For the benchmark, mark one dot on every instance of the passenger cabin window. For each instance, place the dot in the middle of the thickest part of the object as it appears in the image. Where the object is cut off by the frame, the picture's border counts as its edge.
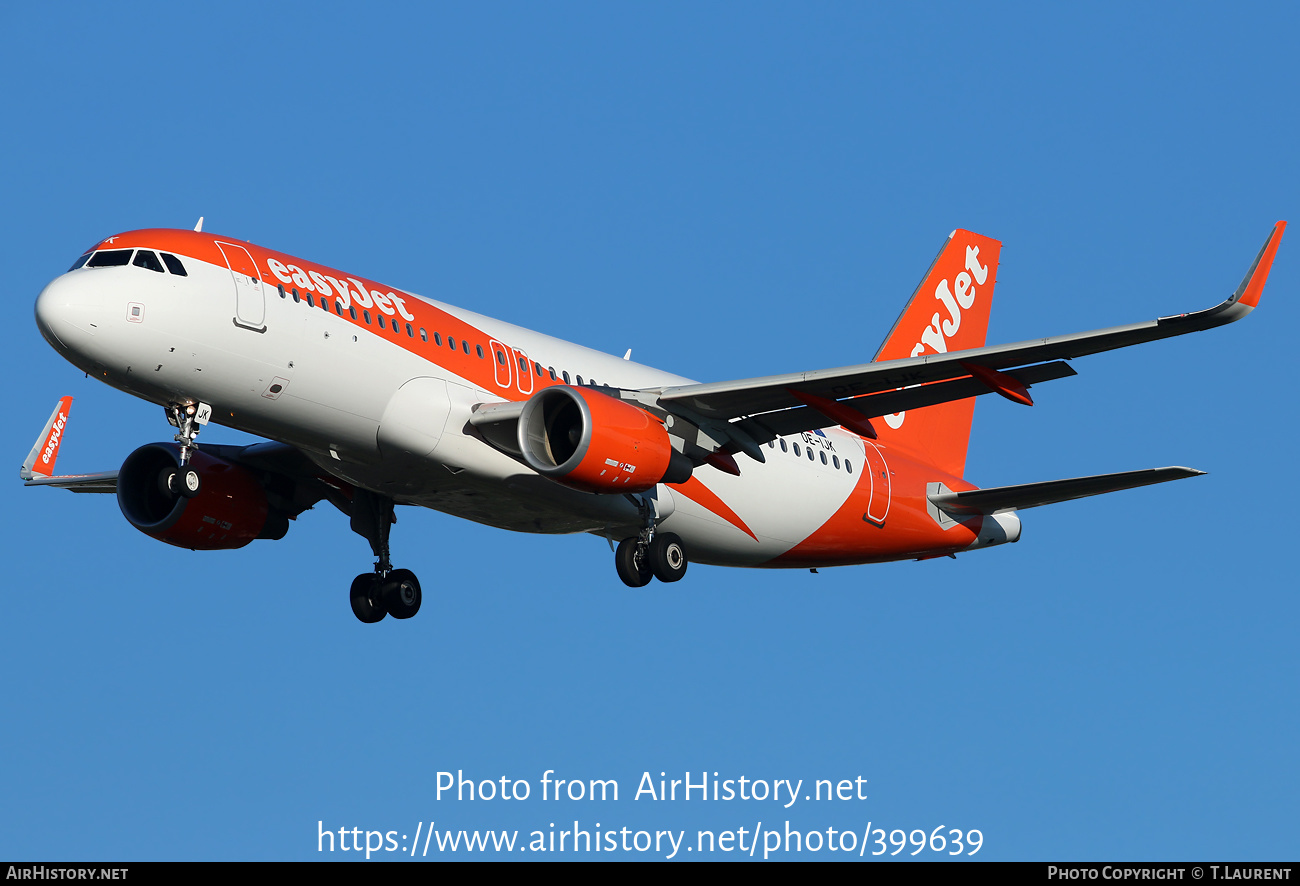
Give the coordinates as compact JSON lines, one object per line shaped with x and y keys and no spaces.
{"x":464,"y":346}
{"x":173,"y":264}
{"x":437,"y":339}
{"x":479,"y":349}
{"x":424,"y":336}
{"x":110,"y":258}
{"x":144,"y":258}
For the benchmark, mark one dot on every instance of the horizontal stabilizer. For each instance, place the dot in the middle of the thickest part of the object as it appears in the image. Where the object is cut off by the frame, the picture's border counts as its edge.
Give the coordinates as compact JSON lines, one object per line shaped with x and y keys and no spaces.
{"x":1031,"y":495}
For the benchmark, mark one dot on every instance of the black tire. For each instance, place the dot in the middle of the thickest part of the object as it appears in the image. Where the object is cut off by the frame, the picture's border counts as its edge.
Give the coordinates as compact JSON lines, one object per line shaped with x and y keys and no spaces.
{"x":667,"y":557}
{"x":634,"y":571}
{"x":402,"y":593}
{"x":167,"y":480}
{"x":366,"y":603}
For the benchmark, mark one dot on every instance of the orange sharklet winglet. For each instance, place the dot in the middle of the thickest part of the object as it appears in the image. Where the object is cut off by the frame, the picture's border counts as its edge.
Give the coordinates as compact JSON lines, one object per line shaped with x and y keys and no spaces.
{"x":46,"y":451}
{"x":1253,"y":286}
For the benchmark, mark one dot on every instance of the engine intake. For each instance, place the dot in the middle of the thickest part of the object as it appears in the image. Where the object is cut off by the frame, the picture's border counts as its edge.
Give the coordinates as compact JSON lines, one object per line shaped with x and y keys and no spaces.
{"x":230,"y":510}
{"x":597,"y":443}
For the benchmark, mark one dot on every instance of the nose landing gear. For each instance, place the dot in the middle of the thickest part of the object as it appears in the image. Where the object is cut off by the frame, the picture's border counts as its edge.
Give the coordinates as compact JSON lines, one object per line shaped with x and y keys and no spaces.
{"x":188,"y":420}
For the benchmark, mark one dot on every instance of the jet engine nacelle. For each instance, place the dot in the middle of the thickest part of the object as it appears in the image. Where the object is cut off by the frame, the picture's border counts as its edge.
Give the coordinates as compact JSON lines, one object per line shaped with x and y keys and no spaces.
{"x":590,"y":441}
{"x":229,"y":511}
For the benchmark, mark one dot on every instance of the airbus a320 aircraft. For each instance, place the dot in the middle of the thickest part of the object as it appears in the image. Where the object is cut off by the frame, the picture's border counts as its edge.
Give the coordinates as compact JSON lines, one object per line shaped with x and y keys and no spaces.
{"x":372,"y":397}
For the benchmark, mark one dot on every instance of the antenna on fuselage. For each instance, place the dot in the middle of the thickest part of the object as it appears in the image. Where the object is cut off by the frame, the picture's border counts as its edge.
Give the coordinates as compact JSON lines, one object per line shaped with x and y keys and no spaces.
{"x":199,"y":226}
{"x":628,"y":355}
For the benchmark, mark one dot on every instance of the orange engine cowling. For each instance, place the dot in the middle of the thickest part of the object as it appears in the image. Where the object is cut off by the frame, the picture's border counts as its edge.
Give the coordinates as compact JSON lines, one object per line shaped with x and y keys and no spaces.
{"x":230,"y":510}
{"x":593,"y":442}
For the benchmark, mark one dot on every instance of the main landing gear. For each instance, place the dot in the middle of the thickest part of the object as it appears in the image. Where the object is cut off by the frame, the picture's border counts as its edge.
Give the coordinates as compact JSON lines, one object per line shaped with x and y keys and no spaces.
{"x":651,"y":554}
{"x":386,"y":591}
{"x":188,"y":420}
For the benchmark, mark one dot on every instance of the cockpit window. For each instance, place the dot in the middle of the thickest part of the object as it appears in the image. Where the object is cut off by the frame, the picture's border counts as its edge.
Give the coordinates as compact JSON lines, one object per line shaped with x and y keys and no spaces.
{"x":110,"y":258}
{"x":174,"y":264}
{"x":144,"y":258}
{"x":81,"y":261}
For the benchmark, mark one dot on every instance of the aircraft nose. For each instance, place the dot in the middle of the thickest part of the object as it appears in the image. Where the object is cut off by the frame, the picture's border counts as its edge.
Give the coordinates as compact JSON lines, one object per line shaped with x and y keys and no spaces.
{"x":67,"y":310}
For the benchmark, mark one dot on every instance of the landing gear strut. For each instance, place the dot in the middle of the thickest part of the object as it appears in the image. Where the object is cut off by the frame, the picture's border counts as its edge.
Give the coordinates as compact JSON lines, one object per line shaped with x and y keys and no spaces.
{"x":651,"y":554}
{"x":188,"y":420}
{"x":386,"y":591}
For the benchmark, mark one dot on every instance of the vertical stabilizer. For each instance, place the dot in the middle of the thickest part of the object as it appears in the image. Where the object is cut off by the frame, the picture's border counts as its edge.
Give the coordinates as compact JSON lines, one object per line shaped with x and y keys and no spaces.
{"x":948,"y":312}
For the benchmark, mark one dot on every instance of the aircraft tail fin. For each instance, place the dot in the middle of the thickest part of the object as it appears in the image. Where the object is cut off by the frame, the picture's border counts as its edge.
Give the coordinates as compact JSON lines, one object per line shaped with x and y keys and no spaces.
{"x":949,"y":311}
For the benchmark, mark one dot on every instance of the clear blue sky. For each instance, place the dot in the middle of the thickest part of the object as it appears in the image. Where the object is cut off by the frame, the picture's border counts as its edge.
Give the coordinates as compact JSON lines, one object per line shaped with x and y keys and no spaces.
{"x":730,"y":190}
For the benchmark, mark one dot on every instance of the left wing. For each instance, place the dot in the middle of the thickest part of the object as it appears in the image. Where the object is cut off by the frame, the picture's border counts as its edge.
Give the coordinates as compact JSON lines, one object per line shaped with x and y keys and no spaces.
{"x":777,"y":404}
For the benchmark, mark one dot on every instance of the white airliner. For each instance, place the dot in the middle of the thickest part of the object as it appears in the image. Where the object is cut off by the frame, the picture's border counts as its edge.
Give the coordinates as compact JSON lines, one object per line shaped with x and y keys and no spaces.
{"x":372,"y":397}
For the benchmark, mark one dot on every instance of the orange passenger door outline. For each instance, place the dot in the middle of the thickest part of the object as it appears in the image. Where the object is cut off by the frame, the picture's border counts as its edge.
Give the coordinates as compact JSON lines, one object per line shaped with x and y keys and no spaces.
{"x":525,"y":371}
